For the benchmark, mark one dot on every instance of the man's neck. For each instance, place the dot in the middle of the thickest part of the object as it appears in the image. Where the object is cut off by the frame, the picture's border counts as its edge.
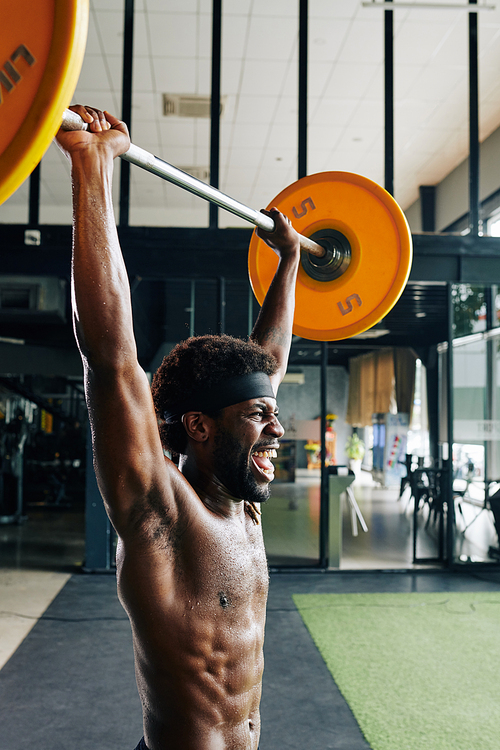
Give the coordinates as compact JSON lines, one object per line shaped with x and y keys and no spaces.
{"x":213,"y":494}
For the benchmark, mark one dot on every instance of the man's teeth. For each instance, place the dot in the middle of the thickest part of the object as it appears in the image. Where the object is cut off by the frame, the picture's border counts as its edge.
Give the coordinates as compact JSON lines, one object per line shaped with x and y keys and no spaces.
{"x":266,"y":454}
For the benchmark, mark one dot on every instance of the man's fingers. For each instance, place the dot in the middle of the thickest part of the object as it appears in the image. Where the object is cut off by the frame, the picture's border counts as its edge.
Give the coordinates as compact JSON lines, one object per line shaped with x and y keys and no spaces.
{"x":82,"y":111}
{"x":99,"y":122}
{"x":114,"y":122}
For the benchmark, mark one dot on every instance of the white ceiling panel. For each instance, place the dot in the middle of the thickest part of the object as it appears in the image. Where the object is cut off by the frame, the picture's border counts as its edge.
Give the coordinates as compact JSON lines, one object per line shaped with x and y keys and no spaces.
{"x":250,"y":109}
{"x":369,"y":112}
{"x":363,"y":43}
{"x":349,"y":81}
{"x":285,"y":109}
{"x":276,"y":8}
{"x":240,"y":159}
{"x":94,"y":42}
{"x":101,"y":74}
{"x":435,"y":83}
{"x":318,"y":78}
{"x":203,"y":84}
{"x":231,"y":75}
{"x":281,"y":137}
{"x":404,"y":79}
{"x":249,"y":135}
{"x":416,"y":42}
{"x":116,"y":5}
{"x":142,"y":43}
{"x":172,"y":36}
{"x":109,"y":28}
{"x":172,"y":49}
{"x":235,"y":32}
{"x":333,"y":111}
{"x":142,"y":74}
{"x":263,"y":78}
{"x":179,"y":131}
{"x":145,"y":106}
{"x":175,"y":76}
{"x":264,"y":33}
{"x":172,"y":6}
{"x":237,"y":7}
{"x":328,"y":10}
{"x":326,"y":39}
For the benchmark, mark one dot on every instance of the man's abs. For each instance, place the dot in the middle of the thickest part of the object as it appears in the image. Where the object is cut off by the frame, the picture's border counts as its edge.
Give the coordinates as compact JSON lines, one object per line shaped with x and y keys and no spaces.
{"x":198,"y":628}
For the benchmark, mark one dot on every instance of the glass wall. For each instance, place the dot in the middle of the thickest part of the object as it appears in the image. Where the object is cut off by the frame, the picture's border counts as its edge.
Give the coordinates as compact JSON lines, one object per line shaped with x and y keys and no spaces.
{"x":476,"y":424}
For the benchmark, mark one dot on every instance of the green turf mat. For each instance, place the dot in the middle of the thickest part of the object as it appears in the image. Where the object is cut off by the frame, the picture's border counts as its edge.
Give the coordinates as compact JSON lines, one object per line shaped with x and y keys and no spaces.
{"x":419,"y":671}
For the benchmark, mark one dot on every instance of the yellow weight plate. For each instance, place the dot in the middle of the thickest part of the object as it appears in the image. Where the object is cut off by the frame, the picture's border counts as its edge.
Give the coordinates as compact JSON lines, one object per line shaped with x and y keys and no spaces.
{"x":376,"y":229}
{"x":42,"y":46}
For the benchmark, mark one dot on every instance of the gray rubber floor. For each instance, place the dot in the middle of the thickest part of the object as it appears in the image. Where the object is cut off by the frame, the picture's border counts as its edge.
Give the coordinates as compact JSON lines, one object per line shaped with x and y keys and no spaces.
{"x":71,"y":686}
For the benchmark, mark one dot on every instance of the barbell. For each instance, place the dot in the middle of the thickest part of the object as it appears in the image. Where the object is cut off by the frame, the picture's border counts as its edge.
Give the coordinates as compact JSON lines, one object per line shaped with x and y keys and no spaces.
{"x":355,"y":240}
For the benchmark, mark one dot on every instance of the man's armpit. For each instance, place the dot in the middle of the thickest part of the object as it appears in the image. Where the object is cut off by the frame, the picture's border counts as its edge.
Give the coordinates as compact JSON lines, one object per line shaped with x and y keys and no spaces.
{"x":274,"y":335}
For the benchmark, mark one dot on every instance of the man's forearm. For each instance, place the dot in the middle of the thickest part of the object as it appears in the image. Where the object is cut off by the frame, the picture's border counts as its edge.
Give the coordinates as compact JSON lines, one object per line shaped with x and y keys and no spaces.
{"x":100,"y":289}
{"x":273,"y":329}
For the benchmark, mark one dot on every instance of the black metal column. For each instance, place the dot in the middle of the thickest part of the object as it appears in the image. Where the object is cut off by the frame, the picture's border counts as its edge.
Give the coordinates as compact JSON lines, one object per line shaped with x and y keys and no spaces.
{"x":302,"y":172}
{"x":303,"y":67}
{"x":473,"y":125}
{"x":428,"y":207}
{"x":128,"y":50}
{"x":389,"y":101}
{"x":450,"y":535}
{"x":99,"y":554}
{"x":324,"y":545}
{"x":215,"y":108}
{"x":432,"y":385}
{"x":34,"y":197}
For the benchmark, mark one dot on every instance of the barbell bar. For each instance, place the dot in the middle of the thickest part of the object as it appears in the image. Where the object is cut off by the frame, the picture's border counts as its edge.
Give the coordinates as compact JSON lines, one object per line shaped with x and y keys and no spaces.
{"x":337,"y":296}
{"x":333,"y":280}
{"x":151,"y":163}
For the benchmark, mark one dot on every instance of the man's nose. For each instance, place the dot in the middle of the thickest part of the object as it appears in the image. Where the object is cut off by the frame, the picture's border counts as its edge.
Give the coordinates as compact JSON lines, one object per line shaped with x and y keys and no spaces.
{"x":275,"y":428}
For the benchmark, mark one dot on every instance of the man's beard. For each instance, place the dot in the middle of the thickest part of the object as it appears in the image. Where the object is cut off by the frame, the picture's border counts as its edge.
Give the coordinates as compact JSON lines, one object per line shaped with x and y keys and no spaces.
{"x":232,"y":469}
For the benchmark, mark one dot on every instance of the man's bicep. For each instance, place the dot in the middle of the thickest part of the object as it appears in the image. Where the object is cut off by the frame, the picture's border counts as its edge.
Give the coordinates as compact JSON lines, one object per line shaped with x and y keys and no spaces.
{"x":128,"y":455}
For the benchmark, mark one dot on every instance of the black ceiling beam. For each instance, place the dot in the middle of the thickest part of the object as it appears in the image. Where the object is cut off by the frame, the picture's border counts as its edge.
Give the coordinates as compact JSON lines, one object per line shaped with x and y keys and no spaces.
{"x":389,"y":102}
{"x":473,"y":124}
{"x":170,"y":252}
{"x":128,"y":56}
{"x":215,"y":107}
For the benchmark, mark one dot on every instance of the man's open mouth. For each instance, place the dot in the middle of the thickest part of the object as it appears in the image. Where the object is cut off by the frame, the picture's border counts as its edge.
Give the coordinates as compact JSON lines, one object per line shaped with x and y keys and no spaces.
{"x":262,"y":461}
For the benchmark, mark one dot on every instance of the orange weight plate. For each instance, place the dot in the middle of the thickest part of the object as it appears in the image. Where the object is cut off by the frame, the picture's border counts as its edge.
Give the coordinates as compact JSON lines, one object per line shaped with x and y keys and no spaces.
{"x":367,"y":220}
{"x":41,"y":53}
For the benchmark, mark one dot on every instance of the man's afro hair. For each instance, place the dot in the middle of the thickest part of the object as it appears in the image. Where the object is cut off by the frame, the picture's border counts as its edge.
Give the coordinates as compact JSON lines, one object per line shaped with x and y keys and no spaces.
{"x":201,"y":361}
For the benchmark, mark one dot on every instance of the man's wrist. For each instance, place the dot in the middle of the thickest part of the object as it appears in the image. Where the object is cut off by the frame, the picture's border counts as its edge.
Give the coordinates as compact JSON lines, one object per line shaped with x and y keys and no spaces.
{"x":87,"y":166}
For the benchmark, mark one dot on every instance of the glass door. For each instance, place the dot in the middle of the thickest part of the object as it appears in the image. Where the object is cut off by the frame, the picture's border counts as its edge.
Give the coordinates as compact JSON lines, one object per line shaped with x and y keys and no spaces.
{"x":475,"y":456}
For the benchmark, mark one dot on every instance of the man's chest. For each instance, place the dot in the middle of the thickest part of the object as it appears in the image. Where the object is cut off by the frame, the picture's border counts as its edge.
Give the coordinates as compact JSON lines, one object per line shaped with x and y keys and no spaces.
{"x":226,"y":561}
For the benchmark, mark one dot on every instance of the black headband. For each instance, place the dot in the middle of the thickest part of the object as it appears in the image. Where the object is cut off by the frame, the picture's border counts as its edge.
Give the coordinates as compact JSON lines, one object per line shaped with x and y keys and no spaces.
{"x":225,"y":393}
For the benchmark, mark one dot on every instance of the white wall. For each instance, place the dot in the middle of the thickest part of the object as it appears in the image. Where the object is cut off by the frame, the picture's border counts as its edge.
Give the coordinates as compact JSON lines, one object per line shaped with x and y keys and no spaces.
{"x":303,"y":402}
{"x":452,"y":199}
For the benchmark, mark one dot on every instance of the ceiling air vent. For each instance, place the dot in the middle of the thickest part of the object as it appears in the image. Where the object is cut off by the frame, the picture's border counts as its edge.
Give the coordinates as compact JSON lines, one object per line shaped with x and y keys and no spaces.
{"x":188,"y":105}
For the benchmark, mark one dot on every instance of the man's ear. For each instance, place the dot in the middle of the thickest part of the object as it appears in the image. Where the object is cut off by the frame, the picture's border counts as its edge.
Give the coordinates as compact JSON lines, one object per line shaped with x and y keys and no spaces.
{"x":197,"y":425}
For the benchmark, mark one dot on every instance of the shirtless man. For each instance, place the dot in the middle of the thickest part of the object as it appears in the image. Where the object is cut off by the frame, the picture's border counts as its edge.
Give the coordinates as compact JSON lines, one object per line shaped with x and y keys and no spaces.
{"x":191,"y":565}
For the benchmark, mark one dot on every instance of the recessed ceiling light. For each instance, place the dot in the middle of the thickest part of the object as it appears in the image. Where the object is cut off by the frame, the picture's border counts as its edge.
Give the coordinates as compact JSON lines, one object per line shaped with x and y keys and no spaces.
{"x":421,"y":315}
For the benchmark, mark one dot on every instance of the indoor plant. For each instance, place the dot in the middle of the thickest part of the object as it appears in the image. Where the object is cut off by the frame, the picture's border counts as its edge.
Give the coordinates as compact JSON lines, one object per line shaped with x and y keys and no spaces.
{"x":355,"y":450}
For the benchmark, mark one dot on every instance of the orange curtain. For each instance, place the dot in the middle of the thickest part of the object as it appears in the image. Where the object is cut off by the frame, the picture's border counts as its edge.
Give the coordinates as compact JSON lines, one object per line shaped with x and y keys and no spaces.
{"x":404,"y":367}
{"x":371,"y":386}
